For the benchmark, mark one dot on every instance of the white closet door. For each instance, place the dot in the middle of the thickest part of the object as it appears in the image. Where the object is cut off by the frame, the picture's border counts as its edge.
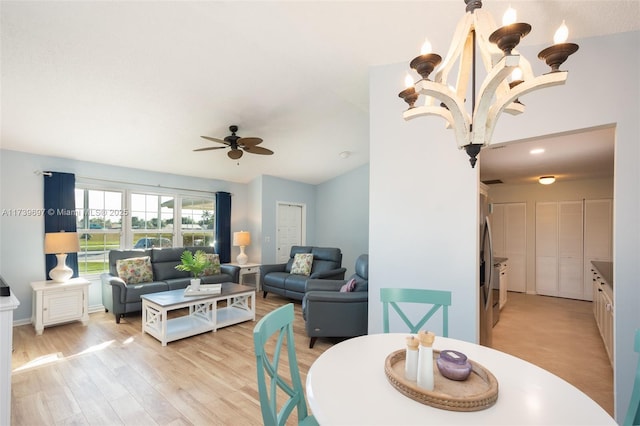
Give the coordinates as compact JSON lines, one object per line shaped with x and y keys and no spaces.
{"x":570,"y":246}
{"x":497,"y":230}
{"x":515,"y":225}
{"x":547,"y":248}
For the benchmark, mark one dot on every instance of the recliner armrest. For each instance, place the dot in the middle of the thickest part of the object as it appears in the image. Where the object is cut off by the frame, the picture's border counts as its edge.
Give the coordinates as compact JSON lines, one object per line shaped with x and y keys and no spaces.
{"x":118,"y":285}
{"x":265,"y":269}
{"x":336,"y":296}
{"x":232,"y":270}
{"x":333,"y":274}
{"x":323,"y":285}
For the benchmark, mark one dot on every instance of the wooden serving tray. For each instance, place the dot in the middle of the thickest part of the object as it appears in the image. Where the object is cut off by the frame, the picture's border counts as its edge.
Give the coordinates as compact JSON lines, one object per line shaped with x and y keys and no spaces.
{"x":478,"y":392}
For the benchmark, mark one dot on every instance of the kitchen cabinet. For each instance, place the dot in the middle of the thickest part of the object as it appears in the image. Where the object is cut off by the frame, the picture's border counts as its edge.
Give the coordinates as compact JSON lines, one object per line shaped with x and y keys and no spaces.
{"x":602,"y":286}
{"x":569,"y":235}
{"x":509,"y":236}
{"x":503,"y":270}
{"x":598,"y":236}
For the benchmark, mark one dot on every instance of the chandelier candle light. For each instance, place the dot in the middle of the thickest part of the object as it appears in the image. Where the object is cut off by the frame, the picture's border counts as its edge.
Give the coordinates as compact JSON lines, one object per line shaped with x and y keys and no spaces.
{"x":61,"y":243}
{"x":242,"y":239}
{"x":496,"y":47}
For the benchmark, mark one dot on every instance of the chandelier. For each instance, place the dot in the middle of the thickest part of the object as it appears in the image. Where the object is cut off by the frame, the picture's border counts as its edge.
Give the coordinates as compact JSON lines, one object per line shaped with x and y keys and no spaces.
{"x":477,"y":31}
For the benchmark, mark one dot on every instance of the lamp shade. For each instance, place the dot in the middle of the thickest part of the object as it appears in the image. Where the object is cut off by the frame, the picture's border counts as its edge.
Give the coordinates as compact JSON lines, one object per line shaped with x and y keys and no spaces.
{"x":242,"y":238}
{"x":61,"y":242}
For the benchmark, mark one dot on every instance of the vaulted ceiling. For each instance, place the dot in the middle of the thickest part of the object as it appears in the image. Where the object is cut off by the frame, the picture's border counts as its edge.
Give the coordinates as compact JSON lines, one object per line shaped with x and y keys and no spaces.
{"x":136,"y":83}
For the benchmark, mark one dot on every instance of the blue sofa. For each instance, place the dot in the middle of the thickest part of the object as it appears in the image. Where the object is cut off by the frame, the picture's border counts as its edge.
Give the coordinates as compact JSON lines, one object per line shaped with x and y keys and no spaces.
{"x":121,"y":298}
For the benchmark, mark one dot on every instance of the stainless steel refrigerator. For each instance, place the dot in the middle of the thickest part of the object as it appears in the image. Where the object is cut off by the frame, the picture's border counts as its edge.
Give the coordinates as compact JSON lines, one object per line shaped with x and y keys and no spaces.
{"x":486,"y":272}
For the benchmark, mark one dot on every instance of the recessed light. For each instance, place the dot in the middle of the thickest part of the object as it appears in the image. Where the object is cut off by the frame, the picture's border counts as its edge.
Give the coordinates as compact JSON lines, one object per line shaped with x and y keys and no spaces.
{"x":536,"y":151}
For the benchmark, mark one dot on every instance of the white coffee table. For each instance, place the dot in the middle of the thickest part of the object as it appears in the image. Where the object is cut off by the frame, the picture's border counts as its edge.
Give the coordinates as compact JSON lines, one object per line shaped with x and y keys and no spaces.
{"x":204,"y":314}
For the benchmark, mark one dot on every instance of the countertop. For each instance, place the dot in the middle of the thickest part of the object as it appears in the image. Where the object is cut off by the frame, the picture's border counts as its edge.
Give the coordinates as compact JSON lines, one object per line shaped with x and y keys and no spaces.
{"x":605,"y":269}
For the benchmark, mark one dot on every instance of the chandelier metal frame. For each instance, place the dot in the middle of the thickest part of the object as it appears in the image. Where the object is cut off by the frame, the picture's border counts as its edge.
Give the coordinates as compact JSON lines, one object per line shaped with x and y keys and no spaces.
{"x":477,"y":30}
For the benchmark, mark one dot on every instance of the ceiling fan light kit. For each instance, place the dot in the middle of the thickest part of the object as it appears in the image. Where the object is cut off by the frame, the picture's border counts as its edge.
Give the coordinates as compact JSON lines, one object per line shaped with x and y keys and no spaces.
{"x":477,"y":30}
{"x":237,"y":144}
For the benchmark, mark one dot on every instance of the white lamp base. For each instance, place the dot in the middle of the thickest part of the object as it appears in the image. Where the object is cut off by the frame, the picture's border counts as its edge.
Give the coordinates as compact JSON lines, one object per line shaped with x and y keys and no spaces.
{"x":242,"y":258}
{"x":61,"y":273}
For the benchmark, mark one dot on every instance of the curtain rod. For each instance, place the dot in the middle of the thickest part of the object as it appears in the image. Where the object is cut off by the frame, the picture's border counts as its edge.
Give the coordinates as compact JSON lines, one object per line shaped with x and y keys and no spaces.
{"x":43,"y":173}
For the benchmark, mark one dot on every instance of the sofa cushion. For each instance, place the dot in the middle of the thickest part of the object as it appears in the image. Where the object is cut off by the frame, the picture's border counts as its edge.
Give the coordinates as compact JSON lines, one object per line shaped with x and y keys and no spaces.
{"x":214,"y":268}
{"x":302,"y":264}
{"x":135,"y":270}
{"x":295,"y":283}
{"x":134,"y":291}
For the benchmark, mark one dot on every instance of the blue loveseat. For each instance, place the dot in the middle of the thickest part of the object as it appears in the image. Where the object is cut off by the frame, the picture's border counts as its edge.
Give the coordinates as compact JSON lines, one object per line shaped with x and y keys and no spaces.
{"x":278,"y":279}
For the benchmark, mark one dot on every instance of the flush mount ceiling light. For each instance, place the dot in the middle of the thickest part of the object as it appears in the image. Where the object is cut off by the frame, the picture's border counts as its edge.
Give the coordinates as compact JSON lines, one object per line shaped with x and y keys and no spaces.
{"x":546,"y":180}
{"x":497,"y":51}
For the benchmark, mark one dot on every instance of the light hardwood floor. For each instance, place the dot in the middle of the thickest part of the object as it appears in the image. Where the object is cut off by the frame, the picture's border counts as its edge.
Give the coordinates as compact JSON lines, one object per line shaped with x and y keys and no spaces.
{"x":113,"y":374}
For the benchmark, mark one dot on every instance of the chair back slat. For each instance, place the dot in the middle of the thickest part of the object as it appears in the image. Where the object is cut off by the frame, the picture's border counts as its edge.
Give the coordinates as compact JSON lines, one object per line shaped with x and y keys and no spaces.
{"x":438,"y":298}
{"x":270,"y":382}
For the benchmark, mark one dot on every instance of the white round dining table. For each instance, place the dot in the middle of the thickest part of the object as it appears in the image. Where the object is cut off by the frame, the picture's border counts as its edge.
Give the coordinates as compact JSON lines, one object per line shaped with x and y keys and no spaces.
{"x":347,"y":385}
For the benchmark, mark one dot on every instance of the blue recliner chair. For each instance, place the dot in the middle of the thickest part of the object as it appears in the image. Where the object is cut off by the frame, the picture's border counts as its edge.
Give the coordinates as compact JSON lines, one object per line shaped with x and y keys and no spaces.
{"x":331,"y":313}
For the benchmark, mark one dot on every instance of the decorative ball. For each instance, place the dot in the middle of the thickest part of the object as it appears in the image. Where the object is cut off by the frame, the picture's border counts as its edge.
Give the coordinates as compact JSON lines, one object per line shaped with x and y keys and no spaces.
{"x":453,"y":365}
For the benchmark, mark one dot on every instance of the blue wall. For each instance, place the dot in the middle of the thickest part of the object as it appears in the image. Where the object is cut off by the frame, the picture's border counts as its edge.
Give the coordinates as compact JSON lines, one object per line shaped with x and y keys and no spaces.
{"x":342,"y":215}
{"x":21,"y":237}
{"x":276,"y":190}
{"x":253,"y":209}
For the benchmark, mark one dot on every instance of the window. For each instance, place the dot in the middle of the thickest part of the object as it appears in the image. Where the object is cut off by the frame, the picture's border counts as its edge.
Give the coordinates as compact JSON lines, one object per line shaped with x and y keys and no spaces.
{"x":197,"y":222}
{"x":110,"y":219}
{"x":99,"y":222}
{"x":152,"y":220}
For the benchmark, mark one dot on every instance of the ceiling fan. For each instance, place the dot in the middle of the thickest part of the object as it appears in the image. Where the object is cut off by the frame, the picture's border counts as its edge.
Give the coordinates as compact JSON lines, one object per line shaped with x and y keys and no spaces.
{"x":237,"y":144}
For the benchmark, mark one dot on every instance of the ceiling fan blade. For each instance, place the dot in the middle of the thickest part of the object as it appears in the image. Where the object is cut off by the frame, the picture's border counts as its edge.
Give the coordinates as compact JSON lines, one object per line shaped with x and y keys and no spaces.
{"x":210,"y":148}
{"x":234,"y":154}
{"x":258,"y":150}
{"x":249,"y":141}
{"x":215,"y":140}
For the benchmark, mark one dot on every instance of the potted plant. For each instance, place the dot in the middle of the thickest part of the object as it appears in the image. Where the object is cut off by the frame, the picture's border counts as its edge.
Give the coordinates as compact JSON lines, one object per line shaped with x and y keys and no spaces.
{"x":195,"y":263}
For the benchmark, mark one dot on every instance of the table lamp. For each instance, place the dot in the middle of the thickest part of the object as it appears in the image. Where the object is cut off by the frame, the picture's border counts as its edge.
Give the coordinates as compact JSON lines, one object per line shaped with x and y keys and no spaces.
{"x":242,"y":239}
{"x":61,"y":243}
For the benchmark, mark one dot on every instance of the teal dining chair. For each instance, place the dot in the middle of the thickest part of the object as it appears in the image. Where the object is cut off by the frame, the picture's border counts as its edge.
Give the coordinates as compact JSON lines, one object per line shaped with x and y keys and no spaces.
{"x":439,"y":299}
{"x":633,"y":412}
{"x":271,"y":384}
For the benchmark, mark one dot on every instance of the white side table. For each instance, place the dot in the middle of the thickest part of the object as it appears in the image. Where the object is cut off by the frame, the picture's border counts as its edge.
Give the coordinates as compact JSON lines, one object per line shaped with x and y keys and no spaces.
{"x":249,"y":269}
{"x":55,"y":303}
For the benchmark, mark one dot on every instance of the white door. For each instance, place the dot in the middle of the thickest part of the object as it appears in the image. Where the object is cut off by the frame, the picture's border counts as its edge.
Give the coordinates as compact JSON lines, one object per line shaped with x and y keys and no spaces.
{"x":515,"y":242}
{"x":290,"y":231}
{"x":509,"y":230}
{"x":570,"y":245}
{"x":547,"y":248}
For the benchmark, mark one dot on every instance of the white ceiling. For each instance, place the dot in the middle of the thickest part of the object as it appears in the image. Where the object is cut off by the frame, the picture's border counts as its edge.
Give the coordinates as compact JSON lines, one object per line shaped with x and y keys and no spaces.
{"x":137,"y":83}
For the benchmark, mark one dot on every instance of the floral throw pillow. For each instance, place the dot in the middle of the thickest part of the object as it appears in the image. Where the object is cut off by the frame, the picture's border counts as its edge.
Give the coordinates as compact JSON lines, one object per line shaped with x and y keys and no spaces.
{"x":214,"y":268}
{"x":135,"y":270}
{"x":302,"y":263}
